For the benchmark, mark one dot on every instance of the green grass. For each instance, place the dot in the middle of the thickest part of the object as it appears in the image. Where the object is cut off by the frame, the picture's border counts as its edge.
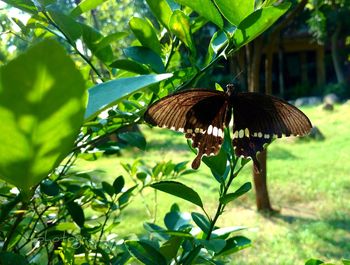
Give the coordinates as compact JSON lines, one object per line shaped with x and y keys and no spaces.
{"x":309,"y":183}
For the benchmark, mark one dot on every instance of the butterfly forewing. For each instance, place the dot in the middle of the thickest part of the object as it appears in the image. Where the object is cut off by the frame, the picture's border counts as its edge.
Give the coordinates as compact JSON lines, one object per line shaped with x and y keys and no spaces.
{"x":267,"y":116}
{"x":200,"y":114}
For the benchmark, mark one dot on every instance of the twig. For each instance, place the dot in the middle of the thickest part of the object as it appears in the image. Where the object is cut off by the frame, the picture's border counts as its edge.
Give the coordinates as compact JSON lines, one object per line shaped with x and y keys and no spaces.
{"x":221,"y":206}
{"x":70,"y":42}
{"x":18,"y":220}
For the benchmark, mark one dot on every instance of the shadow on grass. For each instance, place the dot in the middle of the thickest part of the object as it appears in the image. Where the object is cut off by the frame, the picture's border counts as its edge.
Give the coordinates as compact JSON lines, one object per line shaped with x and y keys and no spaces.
{"x":280,"y":153}
{"x":333,"y":234}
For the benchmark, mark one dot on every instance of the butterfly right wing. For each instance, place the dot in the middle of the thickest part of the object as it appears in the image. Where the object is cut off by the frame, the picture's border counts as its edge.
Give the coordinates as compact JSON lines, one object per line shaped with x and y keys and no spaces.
{"x":201,"y":114}
{"x":258,"y":118}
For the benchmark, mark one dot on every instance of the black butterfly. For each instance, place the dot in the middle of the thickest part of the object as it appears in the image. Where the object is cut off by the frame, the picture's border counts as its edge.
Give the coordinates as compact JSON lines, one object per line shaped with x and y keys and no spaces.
{"x":202,"y":115}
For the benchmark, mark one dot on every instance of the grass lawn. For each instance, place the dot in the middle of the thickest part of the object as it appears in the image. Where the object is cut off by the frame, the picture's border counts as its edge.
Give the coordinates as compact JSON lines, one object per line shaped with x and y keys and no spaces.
{"x":309,"y":183}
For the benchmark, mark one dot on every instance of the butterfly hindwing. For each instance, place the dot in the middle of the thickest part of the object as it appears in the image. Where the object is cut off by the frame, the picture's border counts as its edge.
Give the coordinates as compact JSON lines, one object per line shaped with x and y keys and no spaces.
{"x":210,"y":118}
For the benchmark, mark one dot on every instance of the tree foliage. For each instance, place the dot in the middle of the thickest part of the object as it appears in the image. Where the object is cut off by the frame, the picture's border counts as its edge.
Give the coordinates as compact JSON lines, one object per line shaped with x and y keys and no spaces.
{"x":68,"y":214}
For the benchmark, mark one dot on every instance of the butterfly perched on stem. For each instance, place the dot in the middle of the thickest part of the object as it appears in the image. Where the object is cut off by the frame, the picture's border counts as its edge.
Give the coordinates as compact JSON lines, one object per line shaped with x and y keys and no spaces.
{"x":203,"y":114}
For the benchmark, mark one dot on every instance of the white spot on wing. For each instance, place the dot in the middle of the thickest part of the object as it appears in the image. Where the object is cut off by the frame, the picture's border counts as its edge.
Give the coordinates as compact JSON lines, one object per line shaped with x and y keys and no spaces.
{"x":266,"y":136}
{"x":220,"y":134}
{"x":189,"y":130}
{"x":215,"y":131}
{"x":210,"y":129}
{"x":172,"y":128}
{"x":181,"y":130}
{"x":235,"y":134}
{"x":260,"y":135}
{"x":246,"y":132}
{"x":241,"y":133}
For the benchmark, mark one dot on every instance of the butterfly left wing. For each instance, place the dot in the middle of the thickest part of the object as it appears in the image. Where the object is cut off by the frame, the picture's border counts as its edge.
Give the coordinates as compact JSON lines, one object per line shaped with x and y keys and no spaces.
{"x":201,"y":114}
{"x":258,"y":118}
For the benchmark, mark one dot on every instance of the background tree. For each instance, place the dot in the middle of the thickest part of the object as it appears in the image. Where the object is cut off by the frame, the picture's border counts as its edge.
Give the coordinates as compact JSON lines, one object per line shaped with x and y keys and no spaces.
{"x":329,"y":25}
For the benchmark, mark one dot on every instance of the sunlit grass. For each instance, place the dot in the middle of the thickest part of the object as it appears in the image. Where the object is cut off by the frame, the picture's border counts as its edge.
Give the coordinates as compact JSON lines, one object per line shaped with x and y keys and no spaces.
{"x":309,"y":183}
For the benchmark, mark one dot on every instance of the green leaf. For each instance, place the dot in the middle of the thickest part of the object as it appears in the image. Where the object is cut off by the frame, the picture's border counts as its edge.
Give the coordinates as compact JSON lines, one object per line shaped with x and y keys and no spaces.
{"x":118,"y":184}
{"x":49,"y":187}
{"x":346,"y":261}
{"x":198,"y":23}
{"x":65,"y":226}
{"x":85,"y":5}
{"x":217,"y":164}
{"x":145,"y":253}
{"x":314,"y":262}
{"x":24,"y":5}
{"x":205,"y":8}
{"x":20,"y":24}
{"x":125,"y":197}
{"x":202,"y":221}
{"x":192,"y":255}
{"x":130,"y":66}
{"x":180,"y":25}
{"x":134,"y":139}
{"x":97,"y":44}
{"x":108,"y":188}
{"x":178,"y":233}
{"x":235,"y":244}
{"x":45,"y":3}
{"x":42,"y":110}
{"x":257,"y":22}
{"x":215,"y":245}
{"x":145,"y":56}
{"x":145,"y":33}
{"x":174,"y":220}
{"x":76,"y":212}
{"x":109,"y":93}
{"x":235,"y":11}
{"x":225,"y":231}
{"x":161,"y":10}
{"x":170,"y":248}
{"x":179,"y":190}
{"x":218,"y":42}
{"x":106,"y":41}
{"x":68,"y":25}
{"x":8,"y":258}
{"x":232,"y":196}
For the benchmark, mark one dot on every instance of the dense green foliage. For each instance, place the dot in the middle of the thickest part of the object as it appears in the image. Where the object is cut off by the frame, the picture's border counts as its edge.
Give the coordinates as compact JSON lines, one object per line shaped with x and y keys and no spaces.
{"x":57,"y":213}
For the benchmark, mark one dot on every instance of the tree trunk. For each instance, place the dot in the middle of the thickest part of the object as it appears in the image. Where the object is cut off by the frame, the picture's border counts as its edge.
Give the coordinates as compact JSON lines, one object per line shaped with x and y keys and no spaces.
{"x":254,"y":59}
{"x":260,"y":180}
{"x":280,"y":73}
{"x":335,"y":55}
{"x":260,"y":184}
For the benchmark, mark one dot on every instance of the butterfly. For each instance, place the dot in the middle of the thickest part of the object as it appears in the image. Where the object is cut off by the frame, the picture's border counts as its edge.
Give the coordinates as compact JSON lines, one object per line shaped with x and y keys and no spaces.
{"x":202,"y":115}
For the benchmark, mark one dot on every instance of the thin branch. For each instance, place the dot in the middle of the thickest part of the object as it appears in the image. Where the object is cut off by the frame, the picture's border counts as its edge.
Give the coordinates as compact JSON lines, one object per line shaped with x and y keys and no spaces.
{"x":70,"y":42}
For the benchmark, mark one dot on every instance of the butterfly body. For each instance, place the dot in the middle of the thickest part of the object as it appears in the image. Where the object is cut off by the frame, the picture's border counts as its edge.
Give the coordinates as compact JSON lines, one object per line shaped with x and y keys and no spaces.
{"x":203,"y":114}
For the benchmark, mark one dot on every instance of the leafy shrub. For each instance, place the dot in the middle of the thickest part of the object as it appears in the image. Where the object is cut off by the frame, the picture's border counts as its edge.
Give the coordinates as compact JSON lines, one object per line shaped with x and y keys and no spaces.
{"x":58,"y":215}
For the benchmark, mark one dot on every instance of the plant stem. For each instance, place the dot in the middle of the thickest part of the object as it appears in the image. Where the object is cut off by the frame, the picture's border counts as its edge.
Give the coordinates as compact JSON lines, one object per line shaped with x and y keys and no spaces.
{"x":13,"y":229}
{"x":70,"y":42}
{"x":221,"y":206}
{"x":103,"y":227}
